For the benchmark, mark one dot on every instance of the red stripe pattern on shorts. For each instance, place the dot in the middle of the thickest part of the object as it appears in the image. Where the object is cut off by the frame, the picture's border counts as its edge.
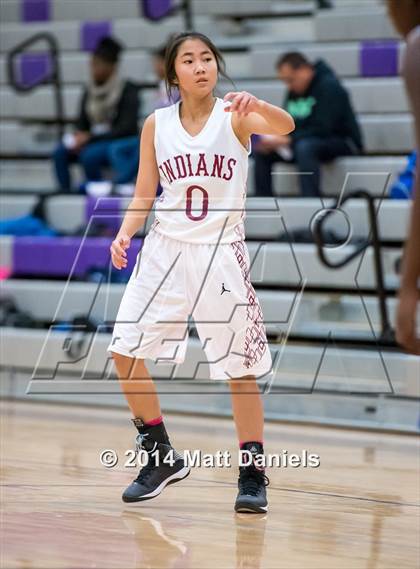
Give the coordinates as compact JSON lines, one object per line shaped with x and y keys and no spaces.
{"x":255,"y":338}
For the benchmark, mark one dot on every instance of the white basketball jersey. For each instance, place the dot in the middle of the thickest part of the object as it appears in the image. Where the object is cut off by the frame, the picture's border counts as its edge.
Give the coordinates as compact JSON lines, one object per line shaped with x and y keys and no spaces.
{"x":203,"y":178}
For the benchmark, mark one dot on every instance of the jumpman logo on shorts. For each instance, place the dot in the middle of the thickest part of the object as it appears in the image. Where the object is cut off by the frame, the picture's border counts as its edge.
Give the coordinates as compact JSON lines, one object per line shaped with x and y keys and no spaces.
{"x":224,"y":289}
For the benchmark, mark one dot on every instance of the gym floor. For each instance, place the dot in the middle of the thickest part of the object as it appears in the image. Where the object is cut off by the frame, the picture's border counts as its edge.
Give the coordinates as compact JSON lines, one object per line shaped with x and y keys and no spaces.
{"x":62,"y":508}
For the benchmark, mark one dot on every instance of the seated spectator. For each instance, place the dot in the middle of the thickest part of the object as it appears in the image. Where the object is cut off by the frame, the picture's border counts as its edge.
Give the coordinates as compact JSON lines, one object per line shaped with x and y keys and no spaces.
{"x":108,"y":122}
{"x":128,"y":150}
{"x":326,"y":126}
{"x":162,"y":98}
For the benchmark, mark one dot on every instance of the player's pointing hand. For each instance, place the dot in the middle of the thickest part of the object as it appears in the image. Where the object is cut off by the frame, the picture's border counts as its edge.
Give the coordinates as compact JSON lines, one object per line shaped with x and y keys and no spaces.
{"x":118,"y":251}
{"x":242,"y":102}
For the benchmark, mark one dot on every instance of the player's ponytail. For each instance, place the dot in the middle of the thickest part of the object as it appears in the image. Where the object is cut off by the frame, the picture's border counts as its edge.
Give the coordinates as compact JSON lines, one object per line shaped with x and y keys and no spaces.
{"x":171,"y":52}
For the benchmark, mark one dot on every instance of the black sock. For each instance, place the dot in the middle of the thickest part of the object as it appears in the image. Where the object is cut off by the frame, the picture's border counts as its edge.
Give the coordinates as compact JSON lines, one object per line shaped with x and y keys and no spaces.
{"x":155,"y":433}
{"x":255,"y":448}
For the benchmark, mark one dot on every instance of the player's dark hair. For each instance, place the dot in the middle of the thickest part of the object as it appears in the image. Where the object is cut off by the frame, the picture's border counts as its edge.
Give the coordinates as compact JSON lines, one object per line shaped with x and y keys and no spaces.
{"x":172,"y":51}
{"x":405,"y":15}
{"x":295,"y":59}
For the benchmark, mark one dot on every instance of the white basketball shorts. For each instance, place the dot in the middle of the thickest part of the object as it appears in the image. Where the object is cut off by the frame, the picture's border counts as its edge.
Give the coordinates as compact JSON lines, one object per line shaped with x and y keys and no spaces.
{"x":173,"y":279}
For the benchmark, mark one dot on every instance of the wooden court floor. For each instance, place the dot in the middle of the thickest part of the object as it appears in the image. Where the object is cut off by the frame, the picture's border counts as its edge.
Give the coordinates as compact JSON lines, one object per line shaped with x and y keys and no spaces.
{"x":62,"y":509}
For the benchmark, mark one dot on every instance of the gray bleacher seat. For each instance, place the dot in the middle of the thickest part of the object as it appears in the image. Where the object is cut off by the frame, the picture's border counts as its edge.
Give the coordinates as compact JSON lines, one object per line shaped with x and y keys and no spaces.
{"x":347,"y":173}
{"x":379,"y":95}
{"x":135,"y":64}
{"x":295,"y":367}
{"x":279,"y":29}
{"x":75,"y":67}
{"x":27,"y":140}
{"x":316,"y":314}
{"x":62,"y":10}
{"x":6,"y":250}
{"x":385,"y":95}
{"x":67,"y":32}
{"x":274,"y":264}
{"x":10,"y":11}
{"x":343,"y":369}
{"x":95,"y":10}
{"x":355,"y":4}
{"x":244,"y":8}
{"x":77,"y":9}
{"x":255,"y":64}
{"x":365,"y":22}
{"x":343,"y":56}
{"x":3,"y":70}
{"x":388,"y":133}
{"x":384,"y":133}
{"x":34,"y":175}
{"x":135,"y":33}
{"x":65,"y":213}
{"x":344,"y":397}
{"x":265,"y":217}
{"x":370,"y":172}
{"x":139,"y":33}
{"x":16,"y":205}
{"x":9,"y":136}
{"x":38,"y":104}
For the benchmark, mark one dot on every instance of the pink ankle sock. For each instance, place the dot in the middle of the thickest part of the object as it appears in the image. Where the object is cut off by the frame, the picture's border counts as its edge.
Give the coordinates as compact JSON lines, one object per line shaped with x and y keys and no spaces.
{"x":153,"y":422}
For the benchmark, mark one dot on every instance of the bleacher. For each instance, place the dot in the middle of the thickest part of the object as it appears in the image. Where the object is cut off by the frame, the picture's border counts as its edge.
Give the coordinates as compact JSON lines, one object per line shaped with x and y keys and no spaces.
{"x":323,"y":325}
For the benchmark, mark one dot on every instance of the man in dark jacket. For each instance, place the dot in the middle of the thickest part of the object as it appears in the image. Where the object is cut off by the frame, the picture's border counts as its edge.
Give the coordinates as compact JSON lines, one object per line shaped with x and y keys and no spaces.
{"x":326,"y":126}
{"x":108,"y":121}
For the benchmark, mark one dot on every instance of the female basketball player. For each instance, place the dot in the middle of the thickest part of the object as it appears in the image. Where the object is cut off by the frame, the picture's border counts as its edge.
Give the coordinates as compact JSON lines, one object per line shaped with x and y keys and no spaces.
{"x":194,"y":261}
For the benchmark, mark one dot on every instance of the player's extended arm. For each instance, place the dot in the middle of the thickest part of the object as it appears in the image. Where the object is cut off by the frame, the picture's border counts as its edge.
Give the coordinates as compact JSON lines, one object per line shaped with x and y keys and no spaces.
{"x":146,"y":184}
{"x":144,"y":195}
{"x":255,"y":116}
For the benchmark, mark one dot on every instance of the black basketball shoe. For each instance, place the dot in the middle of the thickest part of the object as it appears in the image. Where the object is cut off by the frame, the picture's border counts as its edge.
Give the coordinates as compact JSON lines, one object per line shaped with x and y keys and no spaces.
{"x":252,"y":481}
{"x":156,"y":474}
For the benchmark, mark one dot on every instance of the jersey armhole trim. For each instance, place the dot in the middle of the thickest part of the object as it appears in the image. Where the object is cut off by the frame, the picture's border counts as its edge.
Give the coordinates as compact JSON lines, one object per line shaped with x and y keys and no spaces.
{"x":155,"y":113}
{"x":246,"y":150}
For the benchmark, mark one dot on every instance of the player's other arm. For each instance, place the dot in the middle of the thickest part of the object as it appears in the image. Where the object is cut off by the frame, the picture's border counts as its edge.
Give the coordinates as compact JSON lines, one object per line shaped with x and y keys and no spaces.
{"x":144,"y":195}
{"x":255,"y":116}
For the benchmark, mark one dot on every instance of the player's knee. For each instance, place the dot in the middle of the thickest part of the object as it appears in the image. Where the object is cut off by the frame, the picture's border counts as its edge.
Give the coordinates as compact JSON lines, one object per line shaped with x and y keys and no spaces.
{"x":129,"y":367}
{"x":244,"y":383}
{"x":121,"y":359}
{"x":118,"y":357}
